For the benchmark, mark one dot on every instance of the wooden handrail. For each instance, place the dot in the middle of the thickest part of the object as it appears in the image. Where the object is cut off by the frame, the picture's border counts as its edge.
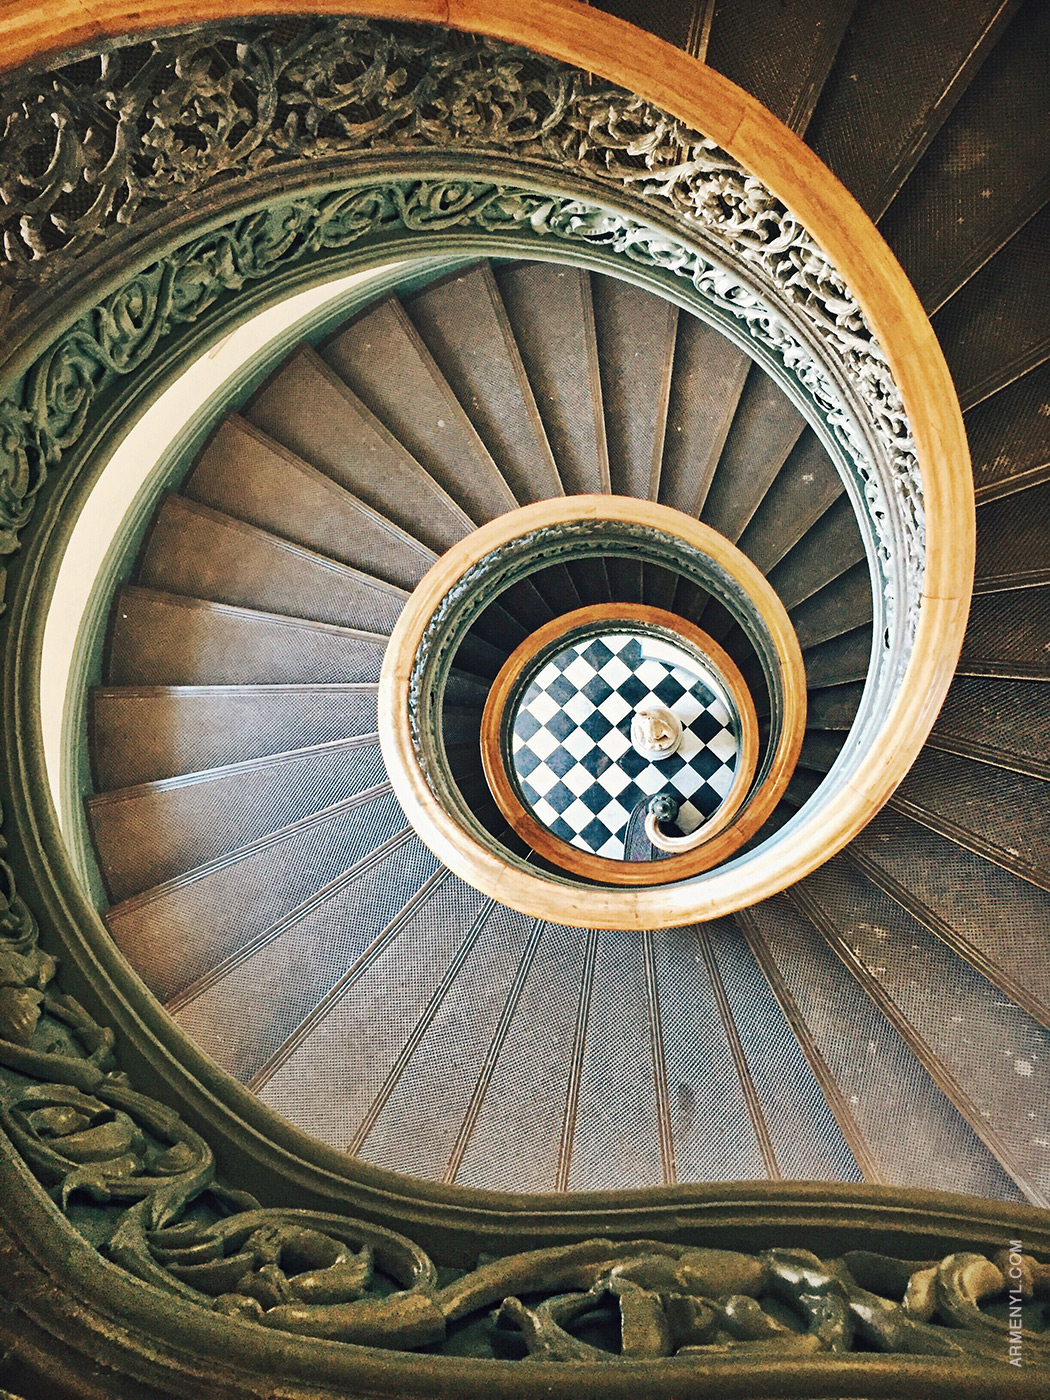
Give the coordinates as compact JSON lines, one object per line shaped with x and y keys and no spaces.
{"x":623,"y":872}
{"x":644,"y":903}
{"x":35,"y":33}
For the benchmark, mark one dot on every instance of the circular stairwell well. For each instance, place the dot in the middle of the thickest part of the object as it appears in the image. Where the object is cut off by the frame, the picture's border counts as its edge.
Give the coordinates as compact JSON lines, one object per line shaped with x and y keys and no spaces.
{"x":870,"y":1023}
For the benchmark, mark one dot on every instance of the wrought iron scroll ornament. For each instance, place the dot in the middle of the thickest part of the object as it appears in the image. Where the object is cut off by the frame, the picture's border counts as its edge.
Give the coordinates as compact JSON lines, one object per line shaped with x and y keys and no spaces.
{"x":111,"y":147}
{"x":163,"y":1216}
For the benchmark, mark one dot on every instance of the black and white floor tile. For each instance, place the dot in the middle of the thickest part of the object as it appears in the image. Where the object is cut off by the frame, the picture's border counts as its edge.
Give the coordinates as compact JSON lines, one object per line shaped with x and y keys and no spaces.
{"x":571,"y":748}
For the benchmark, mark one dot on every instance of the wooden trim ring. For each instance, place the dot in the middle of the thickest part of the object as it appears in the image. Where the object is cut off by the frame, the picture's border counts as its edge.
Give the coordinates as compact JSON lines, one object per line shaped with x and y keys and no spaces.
{"x":594,"y":867}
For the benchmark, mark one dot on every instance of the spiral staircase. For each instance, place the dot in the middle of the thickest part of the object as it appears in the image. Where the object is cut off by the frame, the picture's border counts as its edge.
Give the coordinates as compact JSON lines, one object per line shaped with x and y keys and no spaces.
{"x":883,"y":1022}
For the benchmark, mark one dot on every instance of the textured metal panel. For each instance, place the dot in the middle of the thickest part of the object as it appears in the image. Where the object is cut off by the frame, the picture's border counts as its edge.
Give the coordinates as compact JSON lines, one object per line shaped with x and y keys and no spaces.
{"x":996,"y":1054}
{"x":1007,"y":634}
{"x":916,"y":1134}
{"x":765,"y":429}
{"x":833,"y":708}
{"x":198,"y":552}
{"x":780,"y":53}
{"x":380,"y":355}
{"x":464,"y":323}
{"x":164,"y":639}
{"x":805,"y":1137}
{"x":1013,"y":541}
{"x":830,"y":547}
{"x":708,"y":378}
{"x":278,"y":980}
{"x":617,"y":1141}
{"x":806,"y":486}
{"x":683,"y":23}
{"x":1005,"y":722}
{"x":144,"y":835}
{"x":841,"y":606}
{"x":899,"y":72}
{"x":174,"y":934}
{"x":553,"y":323}
{"x":418,"y":1126}
{"x":514,"y":1145}
{"x":960,"y":888}
{"x":713,"y":1137}
{"x":986,"y":172}
{"x":1009,"y":435}
{"x":998,"y":813}
{"x":243,"y":473}
{"x":368,"y":1026}
{"x":307,"y":408}
{"x":997,"y":326}
{"x":139,"y":735}
{"x":842,"y":659}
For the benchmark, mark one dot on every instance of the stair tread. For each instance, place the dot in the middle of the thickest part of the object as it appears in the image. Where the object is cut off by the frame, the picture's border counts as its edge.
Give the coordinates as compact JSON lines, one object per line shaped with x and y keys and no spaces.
{"x":806,"y":486}
{"x":150,"y":833}
{"x":142,"y":734}
{"x":464,"y":324}
{"x":897,"y":77}
{"x":381,"y":356}
{"x":310,"y":410}
{"x":1009,"y":436}
{"x":243,"y":473}
{"x":202,"y":553}
{"x":839,"y":607}
{"x":278,"y":980}
{"x":176,"y":932}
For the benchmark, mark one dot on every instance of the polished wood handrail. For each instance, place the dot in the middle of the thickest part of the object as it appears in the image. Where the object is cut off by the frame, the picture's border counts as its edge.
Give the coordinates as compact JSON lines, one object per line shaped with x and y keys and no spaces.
{"x":601,"y":868}
{"x":589,"y":906}
{"x":33,"y":32}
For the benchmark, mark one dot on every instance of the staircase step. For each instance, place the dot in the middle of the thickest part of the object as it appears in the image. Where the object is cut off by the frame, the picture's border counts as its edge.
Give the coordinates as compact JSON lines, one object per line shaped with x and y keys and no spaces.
{"x":309,"y":409}
{"x":835,"y":707}
{"x":142,"y":734}
{"x":245,"y":474}
{"x":1001,"y":815}
{"x":381,"y":356}
{"x":175,"y":933}
{"x":199,"y":552}
{"x":997,"y":326}
{"x":938,"y":1144}
{"x":898,"y":74}
{"x":781,"y":54}
{"x":945,"y":223}
{"x":355,"y":1037}
{"x":708,"y":379}
{"x":806,"y":486}
{"x":954,"y":889}
{"x":1006,"y":635}
{"x":1013,"y":541}
{"x":844,"y":658}
{"x":416,"y":1129}
{"x":464,"y":324}
{"x":839,"y":607}
{"x":995,"y":721}
{"x":278,"y":980}
{"x":165,"y":639}
{"x":964,"y":1037}
{"x":831,"y":548}
{"x":153,"y":832}
{"x":765,"y":429}
{"x":1009,"y":436}
{"x":552,"y":318}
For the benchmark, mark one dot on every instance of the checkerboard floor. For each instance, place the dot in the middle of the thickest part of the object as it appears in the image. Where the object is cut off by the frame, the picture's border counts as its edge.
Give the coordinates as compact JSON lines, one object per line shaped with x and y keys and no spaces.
{"x":571,"y":748}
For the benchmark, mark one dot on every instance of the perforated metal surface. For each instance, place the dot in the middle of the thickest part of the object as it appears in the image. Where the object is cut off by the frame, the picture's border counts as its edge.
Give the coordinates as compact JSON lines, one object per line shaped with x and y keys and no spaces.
{"x":1009,"y":434}
{"x":418,"y":1126}
{"x":514,"y":1145}
{"x":373,"y":1021}
{"x":916,"y":1134}
{"x":712,"y":1134}
{"x":141,"y":735}
{"x":280,"y":978}
{"x":1007,"y":719}
{"x":617,"y":1139}
{"x":806,"y":1140}
{"x":998,"y":1055}
{"x":175,"y":933}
